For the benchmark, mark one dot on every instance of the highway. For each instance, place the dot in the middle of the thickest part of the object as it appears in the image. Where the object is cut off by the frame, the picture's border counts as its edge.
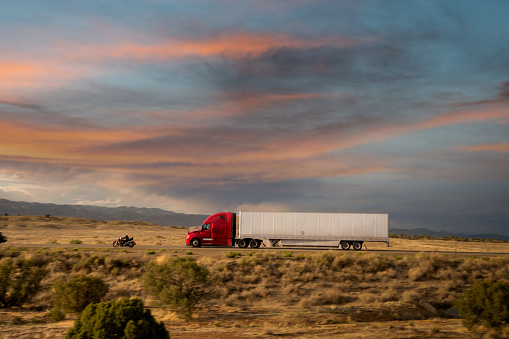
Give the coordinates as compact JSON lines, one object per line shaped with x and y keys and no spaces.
{"x":220,"y":250}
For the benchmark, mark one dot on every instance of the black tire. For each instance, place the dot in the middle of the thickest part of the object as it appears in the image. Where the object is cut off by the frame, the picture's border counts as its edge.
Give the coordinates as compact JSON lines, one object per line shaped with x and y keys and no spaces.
{"x":115,"y":243}
{"x":195,"y":242}
{"x":131,"y":244}
{"x":243,"y":243}
{"x":254,"y":243}
{"x":345,"y":245}
{"x":357,"y":246}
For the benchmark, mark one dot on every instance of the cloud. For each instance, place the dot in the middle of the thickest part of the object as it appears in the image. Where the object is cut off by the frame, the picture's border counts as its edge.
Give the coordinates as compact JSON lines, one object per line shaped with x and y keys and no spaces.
{"x":148,"y":154}
{"x":497,"y":147}
{"x":25,"y":75}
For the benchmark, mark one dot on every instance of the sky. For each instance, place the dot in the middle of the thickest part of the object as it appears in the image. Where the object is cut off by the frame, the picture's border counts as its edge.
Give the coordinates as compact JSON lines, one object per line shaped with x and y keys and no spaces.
{"x":398,"y":107}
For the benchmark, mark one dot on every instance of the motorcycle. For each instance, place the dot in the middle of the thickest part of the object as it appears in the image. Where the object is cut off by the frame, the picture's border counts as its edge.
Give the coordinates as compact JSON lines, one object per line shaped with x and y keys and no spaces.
{"x":121,"y":242}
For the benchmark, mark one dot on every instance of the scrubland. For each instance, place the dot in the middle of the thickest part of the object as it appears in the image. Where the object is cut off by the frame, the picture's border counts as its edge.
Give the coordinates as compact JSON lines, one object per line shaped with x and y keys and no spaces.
{"x":265,"y":293}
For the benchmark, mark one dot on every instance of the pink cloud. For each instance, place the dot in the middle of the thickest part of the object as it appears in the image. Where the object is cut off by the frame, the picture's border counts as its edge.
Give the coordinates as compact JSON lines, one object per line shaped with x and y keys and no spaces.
{"x":69,"y":60}
{"x":497,"y":147}
{"x":235,"y":44}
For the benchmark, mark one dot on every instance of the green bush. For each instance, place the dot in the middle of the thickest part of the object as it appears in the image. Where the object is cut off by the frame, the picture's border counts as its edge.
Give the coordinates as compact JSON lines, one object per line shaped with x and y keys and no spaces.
{"x":76,"y":241}
{"x":232,"y":254}
{"x":74,"y":295}
{"x":485,"y":303}
{"x":180,"y":283}
{"x":20,"y":280}
{"x":56,"y":314}
{"x":117,"y":319}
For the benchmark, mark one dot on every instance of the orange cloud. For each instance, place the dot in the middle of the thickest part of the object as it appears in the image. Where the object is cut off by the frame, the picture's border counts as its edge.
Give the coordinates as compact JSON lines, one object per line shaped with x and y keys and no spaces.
{"x":456,"y":117}
{"x":236,"y":44}
{"x":26,"y":74}
{"x":69,"y":60}
{"x":51,"y":143}
{"x":498,"y":147}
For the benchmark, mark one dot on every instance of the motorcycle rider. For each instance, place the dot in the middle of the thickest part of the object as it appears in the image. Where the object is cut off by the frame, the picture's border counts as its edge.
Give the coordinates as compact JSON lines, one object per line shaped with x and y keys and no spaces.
{"x":125,"y":239}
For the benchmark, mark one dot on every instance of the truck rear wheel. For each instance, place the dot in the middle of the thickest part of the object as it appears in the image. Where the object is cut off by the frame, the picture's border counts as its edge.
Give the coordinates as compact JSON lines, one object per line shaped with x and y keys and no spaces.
{"x":345,"y":245}
{"x":243,"y":243}
{"x":195,"y":242}
{"x":357,"y":246}
{"x":254,"y":243}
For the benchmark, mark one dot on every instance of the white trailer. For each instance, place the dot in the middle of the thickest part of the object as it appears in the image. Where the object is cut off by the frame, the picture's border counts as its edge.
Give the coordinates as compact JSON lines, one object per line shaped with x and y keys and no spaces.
{"x":343,"y":230}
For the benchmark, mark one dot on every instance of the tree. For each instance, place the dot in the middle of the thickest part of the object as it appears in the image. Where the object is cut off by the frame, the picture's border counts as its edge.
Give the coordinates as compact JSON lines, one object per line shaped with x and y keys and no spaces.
{"x":485,"y":303}
{"x":79,"y":291}
{"x":125,"y":319}
{"x":180,"y":283}
{"x":20,"y":281}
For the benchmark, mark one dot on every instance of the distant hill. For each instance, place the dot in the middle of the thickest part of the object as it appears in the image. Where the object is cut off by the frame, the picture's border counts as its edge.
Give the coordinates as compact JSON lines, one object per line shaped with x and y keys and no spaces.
{"x":152,"y":215}
{"x":440,"y":234}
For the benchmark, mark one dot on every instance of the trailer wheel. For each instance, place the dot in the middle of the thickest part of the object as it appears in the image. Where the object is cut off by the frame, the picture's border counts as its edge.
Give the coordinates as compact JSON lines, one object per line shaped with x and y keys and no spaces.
{"x":357,"y":246}
{"x":345,"y":245}
{"x":195,"y":242}
{"x":254,"y":243}
{"x":243,"y":243}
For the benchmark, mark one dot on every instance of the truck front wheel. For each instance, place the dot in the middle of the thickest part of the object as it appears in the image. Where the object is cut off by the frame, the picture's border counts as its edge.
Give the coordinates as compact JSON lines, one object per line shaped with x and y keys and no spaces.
{"x":195,"y":242}
{"x":243,"y":243}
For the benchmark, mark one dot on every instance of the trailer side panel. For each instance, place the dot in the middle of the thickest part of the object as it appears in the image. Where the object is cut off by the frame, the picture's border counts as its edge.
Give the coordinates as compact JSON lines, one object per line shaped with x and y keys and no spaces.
{"x":314,"y":226}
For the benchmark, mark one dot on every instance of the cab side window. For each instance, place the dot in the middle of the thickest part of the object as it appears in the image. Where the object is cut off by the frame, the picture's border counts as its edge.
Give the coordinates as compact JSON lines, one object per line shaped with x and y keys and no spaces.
{"x":206,"y":227}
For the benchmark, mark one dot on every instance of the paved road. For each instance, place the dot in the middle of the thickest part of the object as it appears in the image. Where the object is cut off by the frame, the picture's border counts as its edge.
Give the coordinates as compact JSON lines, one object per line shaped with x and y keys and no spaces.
{"x":215,"y":251}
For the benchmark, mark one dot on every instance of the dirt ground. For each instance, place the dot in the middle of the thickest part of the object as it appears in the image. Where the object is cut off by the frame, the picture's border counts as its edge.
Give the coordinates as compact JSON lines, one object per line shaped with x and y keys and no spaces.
{"x":375,"y":320}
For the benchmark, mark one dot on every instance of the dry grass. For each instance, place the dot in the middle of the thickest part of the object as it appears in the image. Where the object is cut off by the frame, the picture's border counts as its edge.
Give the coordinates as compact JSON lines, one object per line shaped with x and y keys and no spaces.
{"x":60,"y":230}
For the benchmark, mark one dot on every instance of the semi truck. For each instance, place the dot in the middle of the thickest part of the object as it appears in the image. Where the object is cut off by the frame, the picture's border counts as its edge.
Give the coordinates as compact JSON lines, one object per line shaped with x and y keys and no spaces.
{"x":251,"y":229}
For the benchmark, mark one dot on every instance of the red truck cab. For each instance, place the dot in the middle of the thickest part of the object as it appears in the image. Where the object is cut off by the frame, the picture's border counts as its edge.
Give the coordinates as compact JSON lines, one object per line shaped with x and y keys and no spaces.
{"x":218,"y":230}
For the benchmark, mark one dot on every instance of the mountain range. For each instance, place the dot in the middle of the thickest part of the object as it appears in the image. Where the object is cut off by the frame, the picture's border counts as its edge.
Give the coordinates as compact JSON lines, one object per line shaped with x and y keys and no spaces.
{"x":441,"y":234}
{"x":152,"y":215}
{"x":163,"y":217}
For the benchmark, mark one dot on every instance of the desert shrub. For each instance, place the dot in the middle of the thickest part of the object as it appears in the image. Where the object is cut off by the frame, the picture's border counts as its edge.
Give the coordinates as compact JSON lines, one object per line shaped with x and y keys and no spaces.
{"x":485,"y":303}
{"x":232,"y":254}
{"x":56,"y":314}
{"x":88,"y":264}
{"x":20,"y":281}
{"x":117,"y":319}
{"x":79,"y":291}
{"x":179,"y":282}
{"x":75,"y":241}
